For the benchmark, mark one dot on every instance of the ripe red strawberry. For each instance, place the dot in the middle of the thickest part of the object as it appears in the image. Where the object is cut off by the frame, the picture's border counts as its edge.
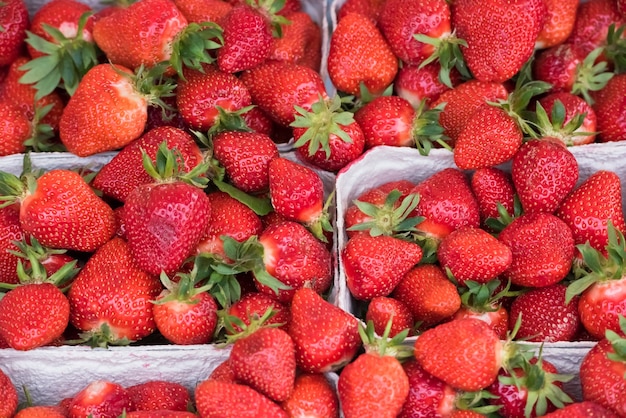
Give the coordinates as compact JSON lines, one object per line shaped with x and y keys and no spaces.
{"x":277,"y":86}
{"x":208,"y":97}
{"x":246,"y":157}
{"x":368,"y":8}
{"x":465,"y":353}
{"x":601,"y":287}
{"x":545,"y":315}
{"x":537,"y":388}
{"x":543,"y":249}
{"x":95,"y":288}
{"x":493,"y":186}
{"x":10,"y":231}
{"x":544,"y":172}
{"x":301,"y":41}
{"x":462,"y":101}
{"x":593,"y":19}
{"x":602,"y":372}
{"x":216,"y":399}
{"x":184,"y":312}
{"x":61,"y":211}
{"x":265,"y":359}
{"x":375,"y":265}
{"x":570,"y":118}
{"x":122,"y":101}
{"x":41,"y":412}
{"x":16,"y":130}
{"x":610,"y":108}
{"x":415,"y":83}
{"x":165,"y":220}
{"x":359,"y":54}
{"x":312,"y":395}
{"x":228,"y":217}
{"x":120,"y":176}
{"x":558,"y":23}
{"x":223,"y":372}
{"x":473,"y":254}
{"x":485,"y":302}
{"x":155,"y":395}
{"x":590,"y":206}
{"x":500,"y":36}
{"x":15,"y":21}
{"x":256,"y":304}
{"x":297,"y":193}
{"x":9,"y":395}
{"x":326,"y":337}
{"x":100,"y":398}
{"x":198,"y":11}
{"x":397,"y":112}
{"x":383,"y":309}
{"x":428,"y":294}
{"x":582,"y":409}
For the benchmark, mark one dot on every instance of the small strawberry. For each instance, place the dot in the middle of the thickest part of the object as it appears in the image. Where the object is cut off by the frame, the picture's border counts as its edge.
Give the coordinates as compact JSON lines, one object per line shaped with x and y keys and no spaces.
{"x":15,"y":21}
{"x":473,"y":254}
{"x":590,"y":206}
{"x":154,"y":395}
{"x":312,"y":395}
{"x":9,"y":395}
{"x":557,"y":24}
{"x":100,"y":398}
{"x":375,"y":265}
{"x":216,"y":399}
{"x":326,"y":337}
{"x":359,"y":54}
{"x":543,"y":249}
{"x":428,"y":294}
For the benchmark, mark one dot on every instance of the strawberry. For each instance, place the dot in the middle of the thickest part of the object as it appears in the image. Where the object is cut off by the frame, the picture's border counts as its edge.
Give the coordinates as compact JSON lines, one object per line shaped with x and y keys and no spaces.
{"x":359,"y":54}
{"x":493,"y":186}
{"x":593,"y":19}
{"x":368,"y":8}
{"x":326,"y":337}
{"x":297,"y":193}
{"x":582,"y":409}
{"x":531,"y":390}
{"x":16,"y":130}
{"x":473,"y":254}
{"x":223,"y":372}
{"x":590,"y":206}
{"x":198,"y":11}
{"x":375,"y":382}
{"x":487,"y":303}
{"x":462,"y":101}
{"x":154,"y":395}
{"x":427,"y":394}
{"x":544,"y":172}
{"x":558,"y":23}
{"x":301,"y":41}
{"x":500,"y":36}
{"x":245,"y":157}
{"x":312,"y":395}
{"x":216,"y":399}
{"x":428,"y":294}
{"x":264,"y":358}
{"x":10,"y":232}
{"x":15,"y":21}
{"x":601,"y":287}
{"x":543,"y":249}
{"x":41,"y":412}
{"x":100,"y":398}
{"x":9,"y":395}
{"x":610,"y":108}
{"x":256,"y":304}
{"x":184,"y":312}
{"x":122,"y":101}
{"x":165,"y":220}
{"x":94,"y":289}
{"x":602,"y":372}
{"x":277,"y":86}
{"x":60,"y":210}
{"x":207,"y":98}
{"x":415,"y":83}
{"x":124,"y":172}
{"x":545,"y":315}
{"x":567,"y":117}
{"x":383,"y":309}
{"x":375,"y":265}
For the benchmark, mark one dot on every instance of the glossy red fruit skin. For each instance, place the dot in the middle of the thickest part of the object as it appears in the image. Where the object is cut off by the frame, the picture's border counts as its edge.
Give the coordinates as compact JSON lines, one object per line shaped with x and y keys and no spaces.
{"x":557,"y":65}
{"x":582,"y":409}
{"x":593,"y":19}
{"x":383,"y":309}
{"x":313,"y":395}
{"x":100,"y":398}
{"x":386,"y":120}
{"x":9,"y":395}
{"x":428,"y":396}
{"x":600,"y":306}
{"x":610,"y":108}
{"x":155,"y":395}
{"x":257,"y":303}
{"x":187,"y":323}
{"x":415,"y":84}
{"x":573,"y":105}
{"x":10,"y":230}
{"x":491,"y":186}
{"x":15,"y":21}
{"x":498,"y":318}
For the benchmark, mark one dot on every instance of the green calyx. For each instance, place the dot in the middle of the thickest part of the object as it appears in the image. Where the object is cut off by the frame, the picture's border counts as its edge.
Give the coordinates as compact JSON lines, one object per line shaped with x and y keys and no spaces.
{"x":36,"y":273}
{"x":383,"y":345}
{"x":325,"y":118}
{"x":230,"y":121}
{"x":13,"y":188}
{"x":318,"y":227}
{"x":618,"y":342}
{"x":554,"y":125}
{"x":99,"y":338}
{"x":476,"y":402}
{"x":591,"y":76}
{"x":153,"y":84}
{"x":448,"y":53}
{"x":185,"y":288}
{"x":42,"y":138}
{"x":504,"y":217}
{"x":64,"y":62}
{"x":168,"y":167}
{"x":237,"y":329}
{"x":192,"y":46}
{"x":426,"y":129}
{"x":482,"y":297}
{"x":390,"y":219}
{"x":597,"y":267}
{"x":271,"y":9}
{"x":615,"y":49}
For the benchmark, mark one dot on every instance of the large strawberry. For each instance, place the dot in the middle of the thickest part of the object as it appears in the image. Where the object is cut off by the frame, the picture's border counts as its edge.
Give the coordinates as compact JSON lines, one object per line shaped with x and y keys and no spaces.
{"x":500,"y":35}
{"x":15,"y":21}
{"x":113,"y":308}
{"x":359,"y":54}
{"x":60,"y":209}
{"x":165,"y":220}
{"x":326,"y":337}
{"x":375,"y":265}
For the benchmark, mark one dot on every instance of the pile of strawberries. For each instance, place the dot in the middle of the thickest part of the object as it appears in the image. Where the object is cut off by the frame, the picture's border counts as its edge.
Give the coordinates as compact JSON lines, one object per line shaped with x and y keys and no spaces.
{"x":200,"y":230}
